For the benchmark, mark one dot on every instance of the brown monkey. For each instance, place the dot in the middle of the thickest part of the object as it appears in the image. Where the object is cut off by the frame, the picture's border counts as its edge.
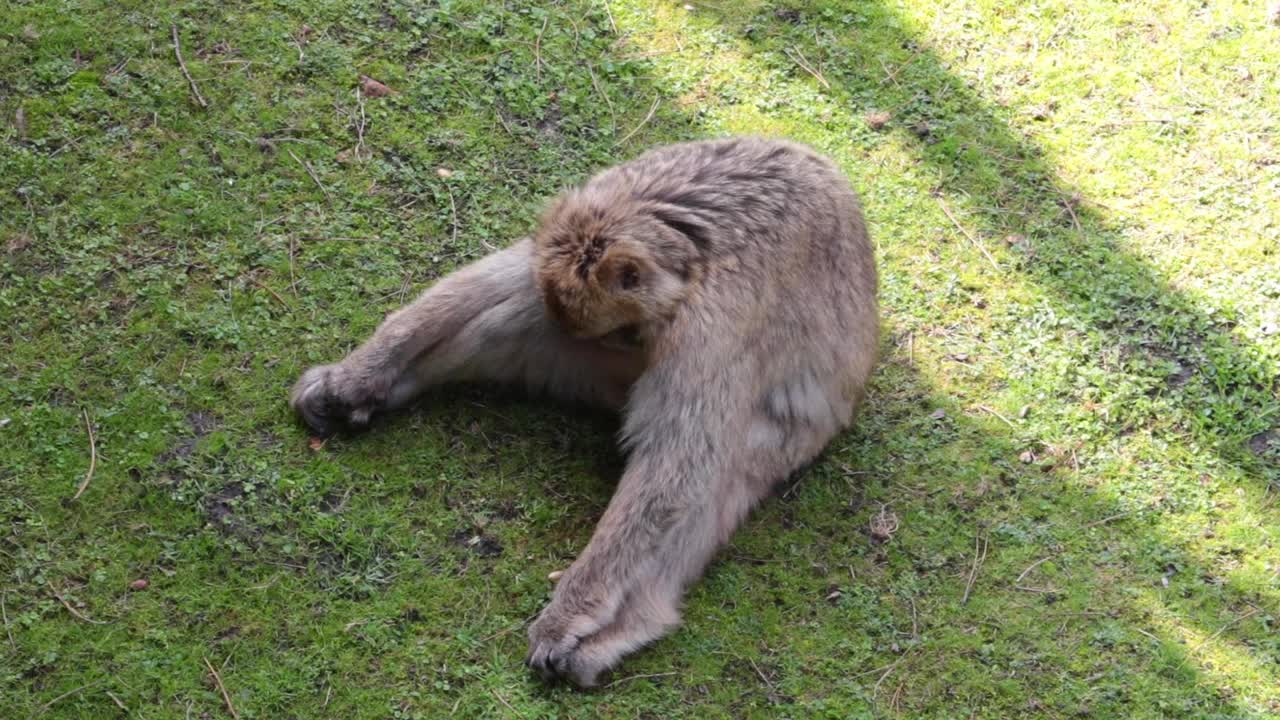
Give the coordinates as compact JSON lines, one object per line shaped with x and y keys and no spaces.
{"x":721,"y":294}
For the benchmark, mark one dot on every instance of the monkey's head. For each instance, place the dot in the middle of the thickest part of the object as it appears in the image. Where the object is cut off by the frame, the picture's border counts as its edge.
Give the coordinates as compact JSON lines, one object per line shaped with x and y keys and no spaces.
{"x":612,"y":267}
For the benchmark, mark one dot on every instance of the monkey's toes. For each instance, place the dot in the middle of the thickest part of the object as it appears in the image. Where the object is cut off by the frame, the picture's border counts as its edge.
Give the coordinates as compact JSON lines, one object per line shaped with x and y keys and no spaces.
{"x":328,"y":401}
{"x":555,"y":654}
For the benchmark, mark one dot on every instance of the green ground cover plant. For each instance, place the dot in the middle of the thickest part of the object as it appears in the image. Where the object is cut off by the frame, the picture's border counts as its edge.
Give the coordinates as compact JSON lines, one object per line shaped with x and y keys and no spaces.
{"x":1060,"y":499}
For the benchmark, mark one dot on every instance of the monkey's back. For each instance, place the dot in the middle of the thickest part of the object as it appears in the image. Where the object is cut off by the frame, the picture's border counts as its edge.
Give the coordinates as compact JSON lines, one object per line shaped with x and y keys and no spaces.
{"x":787,"y":264}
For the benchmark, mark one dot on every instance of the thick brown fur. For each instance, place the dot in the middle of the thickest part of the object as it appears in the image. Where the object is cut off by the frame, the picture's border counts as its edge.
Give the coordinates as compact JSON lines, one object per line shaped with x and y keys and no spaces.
{"x":720,"y":294}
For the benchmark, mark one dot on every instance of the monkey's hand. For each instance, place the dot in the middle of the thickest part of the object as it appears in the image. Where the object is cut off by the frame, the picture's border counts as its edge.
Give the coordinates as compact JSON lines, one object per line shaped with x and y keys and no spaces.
{"x":332,"y":397}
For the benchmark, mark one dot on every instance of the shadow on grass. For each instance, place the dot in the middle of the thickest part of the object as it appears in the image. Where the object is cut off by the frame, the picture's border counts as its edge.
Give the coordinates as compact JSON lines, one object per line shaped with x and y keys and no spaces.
{"x":1218,"y":387}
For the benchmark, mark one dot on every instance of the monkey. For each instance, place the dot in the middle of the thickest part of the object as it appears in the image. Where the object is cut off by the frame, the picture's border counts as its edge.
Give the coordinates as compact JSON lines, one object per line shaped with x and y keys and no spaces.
{"x":720,"y":294}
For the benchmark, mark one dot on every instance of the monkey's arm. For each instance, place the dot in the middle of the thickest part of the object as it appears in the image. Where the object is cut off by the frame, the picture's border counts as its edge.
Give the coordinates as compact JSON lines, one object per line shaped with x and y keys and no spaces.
{"x":487,"y":321}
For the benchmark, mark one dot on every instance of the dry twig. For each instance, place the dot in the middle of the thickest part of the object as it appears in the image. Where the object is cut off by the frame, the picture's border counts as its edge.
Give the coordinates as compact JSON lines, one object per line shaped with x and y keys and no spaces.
{"x":1031,"y":567}
{"x":640,"y":677}
{"x":979,"y":555}
{"x":273,"y":293}
{"x":992,"y":411}
{"x":968,"y":235}
{"x":182,"y":65}
{"x":360,"y":125}
{"x":653,"y":109}
{"x":74,"y":613}
{"x":5,"y":613}
{"x":64,"y":696}
{"x":93,"y":457}
{"x":217,"y":680}
{"x":312,"y":173}
{"x":595,"y":83}
{"x":504,"y":702}
{"x":799,"y":59}
{"x":609,"y":13}
{"x":537,"y":49}
{"x":1107,"y":519}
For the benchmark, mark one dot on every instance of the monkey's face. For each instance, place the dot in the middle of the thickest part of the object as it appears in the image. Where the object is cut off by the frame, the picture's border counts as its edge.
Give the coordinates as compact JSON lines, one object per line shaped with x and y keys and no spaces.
{"x":606,"y":272}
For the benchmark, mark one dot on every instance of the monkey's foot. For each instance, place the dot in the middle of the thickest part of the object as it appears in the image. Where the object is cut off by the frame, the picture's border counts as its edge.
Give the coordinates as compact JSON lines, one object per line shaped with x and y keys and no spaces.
{"x":570,"y":643}
{"x":556,"y":649}
{"x":330,"y":398}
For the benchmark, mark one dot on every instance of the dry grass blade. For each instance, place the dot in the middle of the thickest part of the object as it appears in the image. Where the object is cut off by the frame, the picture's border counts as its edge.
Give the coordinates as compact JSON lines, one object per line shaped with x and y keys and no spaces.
{"x":968,"y":235}
{"x":799,"y":59}
{"x":629,"y":678}
{"x":93,"y":457}
{"x":652,"y":109}
{"x":1030,"y":567}
{"x":74,"y":613}
{"x":314,"y":178}
{"x":979,"y":555}
{"x":217,"y":680}
{"x":507,"y":704}
{"x":273,"y":293}
{"x":44,"y":708}
{"x":5,"y":613}
{"x":1214,"y":636}
{"x":1002,"y":418}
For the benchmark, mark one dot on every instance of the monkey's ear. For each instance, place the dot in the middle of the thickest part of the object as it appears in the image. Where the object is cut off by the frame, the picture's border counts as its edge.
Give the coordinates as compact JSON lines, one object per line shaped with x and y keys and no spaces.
{"x":621,"y":269}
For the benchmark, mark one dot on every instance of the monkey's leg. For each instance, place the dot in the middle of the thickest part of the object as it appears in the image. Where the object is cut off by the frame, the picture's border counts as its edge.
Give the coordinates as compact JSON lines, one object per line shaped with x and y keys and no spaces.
{"x":693,"y":476}
{"x":487,"y":321}
{"x":624,"y":591}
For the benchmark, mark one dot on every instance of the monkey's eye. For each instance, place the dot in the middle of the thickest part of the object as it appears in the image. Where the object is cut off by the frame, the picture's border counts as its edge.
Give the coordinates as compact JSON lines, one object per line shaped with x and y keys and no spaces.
{"x":629,"y":278}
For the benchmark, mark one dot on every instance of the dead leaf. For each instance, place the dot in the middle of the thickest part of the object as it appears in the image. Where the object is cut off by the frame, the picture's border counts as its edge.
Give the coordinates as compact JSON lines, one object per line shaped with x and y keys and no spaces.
{"x":878,"y":119}
{"x":139,"y":584}
{"x":315,"y":443}
{"x":884,"y":524}
{"x":18,"y":242}
{"x":373,"y":88}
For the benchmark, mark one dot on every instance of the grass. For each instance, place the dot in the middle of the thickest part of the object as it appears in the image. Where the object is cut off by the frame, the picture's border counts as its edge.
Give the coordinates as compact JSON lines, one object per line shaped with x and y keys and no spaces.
{"x":1079,"y":435}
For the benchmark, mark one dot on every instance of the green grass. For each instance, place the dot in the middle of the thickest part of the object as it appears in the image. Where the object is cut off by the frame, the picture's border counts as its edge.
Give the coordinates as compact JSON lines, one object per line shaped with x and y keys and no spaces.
{"x":1099,"y":396}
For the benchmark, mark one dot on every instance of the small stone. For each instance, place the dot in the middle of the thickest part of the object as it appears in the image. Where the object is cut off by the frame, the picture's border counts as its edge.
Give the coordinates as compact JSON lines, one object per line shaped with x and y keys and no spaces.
{"x":555,"y":575}
{"x":444,"y":173}
{"x":1027,"y":457}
